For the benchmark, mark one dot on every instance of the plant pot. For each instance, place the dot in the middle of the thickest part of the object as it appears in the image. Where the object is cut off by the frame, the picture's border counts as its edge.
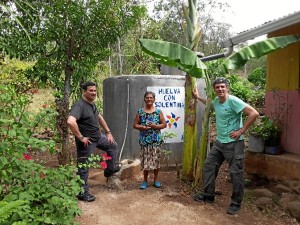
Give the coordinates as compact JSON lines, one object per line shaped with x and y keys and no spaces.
{"x":272,"y":150}
{"x":256,"y":144}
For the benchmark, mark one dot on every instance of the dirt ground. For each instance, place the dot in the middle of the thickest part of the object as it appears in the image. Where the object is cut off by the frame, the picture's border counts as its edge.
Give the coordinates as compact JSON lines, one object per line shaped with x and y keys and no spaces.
{"x":173,"y":204}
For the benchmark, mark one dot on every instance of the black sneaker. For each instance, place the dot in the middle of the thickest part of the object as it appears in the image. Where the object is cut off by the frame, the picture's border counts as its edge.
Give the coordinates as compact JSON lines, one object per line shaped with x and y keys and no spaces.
{"x":203,"y":198}
{"x":108,"y":173}
{"x":233,"y":209}
{"x":87,"y":197}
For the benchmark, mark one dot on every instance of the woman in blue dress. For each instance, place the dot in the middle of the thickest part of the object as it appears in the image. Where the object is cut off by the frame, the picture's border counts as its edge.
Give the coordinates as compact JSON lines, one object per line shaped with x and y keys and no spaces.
{"x":149,"y":121}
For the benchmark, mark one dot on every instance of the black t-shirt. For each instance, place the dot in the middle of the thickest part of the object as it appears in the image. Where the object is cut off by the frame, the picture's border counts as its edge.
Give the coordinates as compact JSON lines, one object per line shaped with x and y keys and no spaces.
{"x":87,"y":119}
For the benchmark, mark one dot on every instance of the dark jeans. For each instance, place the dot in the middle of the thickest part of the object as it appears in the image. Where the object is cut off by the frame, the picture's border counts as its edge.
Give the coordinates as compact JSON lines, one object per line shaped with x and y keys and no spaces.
{"x":233,"y":153}
{"x":83,"y":153}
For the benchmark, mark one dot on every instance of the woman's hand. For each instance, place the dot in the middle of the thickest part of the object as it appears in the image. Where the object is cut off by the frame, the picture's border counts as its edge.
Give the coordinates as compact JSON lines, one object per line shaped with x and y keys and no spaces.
{"x":152,"y":125}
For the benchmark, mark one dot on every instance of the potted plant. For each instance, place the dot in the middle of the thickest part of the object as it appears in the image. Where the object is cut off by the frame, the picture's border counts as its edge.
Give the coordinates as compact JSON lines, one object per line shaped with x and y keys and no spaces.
{"x":265,"y":136}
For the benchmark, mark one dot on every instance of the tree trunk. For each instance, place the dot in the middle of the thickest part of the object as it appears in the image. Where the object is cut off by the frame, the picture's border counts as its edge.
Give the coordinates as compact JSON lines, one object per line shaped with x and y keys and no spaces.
{"x":64,"y":156}
{"x":62,"y":105}
{"x":189,"y":150}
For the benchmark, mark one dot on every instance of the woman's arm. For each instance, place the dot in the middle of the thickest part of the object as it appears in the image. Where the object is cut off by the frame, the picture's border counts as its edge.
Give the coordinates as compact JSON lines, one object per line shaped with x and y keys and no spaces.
{"x":137,"y":124}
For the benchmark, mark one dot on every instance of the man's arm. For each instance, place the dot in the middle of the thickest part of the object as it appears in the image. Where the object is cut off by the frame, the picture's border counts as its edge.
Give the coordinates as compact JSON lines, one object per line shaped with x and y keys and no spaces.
{"x":103,"y":124}
{"x":252,"y":115}
{"x":74,"y":127}
{"x":75,"y":130}
{"x":196,"y":95}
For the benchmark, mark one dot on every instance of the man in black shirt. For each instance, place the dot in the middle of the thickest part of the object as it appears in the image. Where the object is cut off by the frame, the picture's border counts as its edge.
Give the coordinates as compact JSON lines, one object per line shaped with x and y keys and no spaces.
{"x":84,"y":122}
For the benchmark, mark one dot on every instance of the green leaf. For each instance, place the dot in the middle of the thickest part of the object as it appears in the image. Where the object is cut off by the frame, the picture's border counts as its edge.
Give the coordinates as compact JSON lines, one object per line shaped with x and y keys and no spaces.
{"x":174,"y":55}
{"x":12,"y":133}
{"x":239,"y":59}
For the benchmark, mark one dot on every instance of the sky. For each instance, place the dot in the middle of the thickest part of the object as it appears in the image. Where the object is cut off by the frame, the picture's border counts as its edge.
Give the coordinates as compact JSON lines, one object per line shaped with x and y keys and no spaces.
{"x":243,"y":15}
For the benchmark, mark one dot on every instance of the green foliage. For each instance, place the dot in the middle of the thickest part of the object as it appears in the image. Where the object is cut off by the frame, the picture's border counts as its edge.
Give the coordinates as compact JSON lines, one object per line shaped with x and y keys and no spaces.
{"x":18,"y":124}
{"x":258,"y":77}
{"x":96,"y":161}
{"x":165,"y":152}
{"x":33,"y":194}
{"x":267,"y":129}
{"x":49,"y":193}
{"x":174,"y":55}
{"x":70,"y":37}
{"x":8,"y":208}
{"x":257,"y":100}
{"x":257,"y":50}
{"x":12,"y":72}
{"x":240,"y":87}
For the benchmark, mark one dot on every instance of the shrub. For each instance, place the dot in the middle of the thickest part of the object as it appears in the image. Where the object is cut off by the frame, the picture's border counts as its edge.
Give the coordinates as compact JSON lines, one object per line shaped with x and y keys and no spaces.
{"x":240,"y":87}
{"x":49,"y":193}
{"x":17,"y":124}
{"x":258,"y":77}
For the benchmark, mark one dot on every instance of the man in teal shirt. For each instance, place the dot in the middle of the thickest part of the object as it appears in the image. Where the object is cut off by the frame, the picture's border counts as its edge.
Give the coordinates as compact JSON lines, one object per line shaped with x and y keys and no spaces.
{"x":229,"y":145}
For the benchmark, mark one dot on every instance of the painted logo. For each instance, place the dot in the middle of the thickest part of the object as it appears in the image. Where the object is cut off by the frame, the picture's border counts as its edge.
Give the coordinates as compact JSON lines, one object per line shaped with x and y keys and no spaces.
{"x":172,"y":120}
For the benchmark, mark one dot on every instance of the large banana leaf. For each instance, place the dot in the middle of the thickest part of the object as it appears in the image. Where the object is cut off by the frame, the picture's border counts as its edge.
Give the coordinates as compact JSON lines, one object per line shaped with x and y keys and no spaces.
{"x":174,"y":55}
{"x":238,"y":59}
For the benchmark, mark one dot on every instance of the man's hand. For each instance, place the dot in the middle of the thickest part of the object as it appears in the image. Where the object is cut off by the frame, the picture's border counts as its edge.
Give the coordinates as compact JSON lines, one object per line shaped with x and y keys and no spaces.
{"x":236,"y":134}
{"x":110,"y":138}
{"x":85,"y":141}
{"x":196,"y":93}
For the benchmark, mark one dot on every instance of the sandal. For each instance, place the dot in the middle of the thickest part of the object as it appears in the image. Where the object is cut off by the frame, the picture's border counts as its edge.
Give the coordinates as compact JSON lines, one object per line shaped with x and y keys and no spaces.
{"x":144,"y":185}
{"x":157,"y":184}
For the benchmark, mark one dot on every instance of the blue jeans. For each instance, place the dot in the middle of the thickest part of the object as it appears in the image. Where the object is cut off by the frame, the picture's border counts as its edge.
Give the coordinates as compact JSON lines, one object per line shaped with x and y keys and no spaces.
{"x":233,"y":153}
{"x":83,"y":153}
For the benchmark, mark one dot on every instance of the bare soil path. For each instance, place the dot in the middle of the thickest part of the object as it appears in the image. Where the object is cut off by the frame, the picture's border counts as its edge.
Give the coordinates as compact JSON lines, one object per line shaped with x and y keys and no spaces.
{"x":172,"y":204}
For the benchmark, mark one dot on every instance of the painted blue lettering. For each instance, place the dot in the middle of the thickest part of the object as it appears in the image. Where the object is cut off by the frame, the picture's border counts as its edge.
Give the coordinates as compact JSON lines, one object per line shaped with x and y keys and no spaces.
{"x":169,"y":97}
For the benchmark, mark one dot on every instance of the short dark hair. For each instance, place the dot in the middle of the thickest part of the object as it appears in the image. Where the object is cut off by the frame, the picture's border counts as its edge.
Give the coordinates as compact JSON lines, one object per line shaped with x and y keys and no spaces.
{"x":220,"y":80}
{"x":87,"y":84}
{"x":149,"y":92}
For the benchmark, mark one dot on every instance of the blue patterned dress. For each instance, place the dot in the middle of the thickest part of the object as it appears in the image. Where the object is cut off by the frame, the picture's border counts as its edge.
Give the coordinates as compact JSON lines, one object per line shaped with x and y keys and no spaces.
{"x":150,"y":140}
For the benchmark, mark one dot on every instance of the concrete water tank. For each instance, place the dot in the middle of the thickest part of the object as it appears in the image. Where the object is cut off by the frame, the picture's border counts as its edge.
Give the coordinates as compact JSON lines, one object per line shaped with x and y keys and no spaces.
{"x":124,"y":95}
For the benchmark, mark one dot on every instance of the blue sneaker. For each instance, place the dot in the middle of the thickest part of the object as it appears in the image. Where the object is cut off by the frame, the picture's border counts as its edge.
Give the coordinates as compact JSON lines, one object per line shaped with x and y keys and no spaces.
{"x":157,"y":184}
{"x":144,"y":185}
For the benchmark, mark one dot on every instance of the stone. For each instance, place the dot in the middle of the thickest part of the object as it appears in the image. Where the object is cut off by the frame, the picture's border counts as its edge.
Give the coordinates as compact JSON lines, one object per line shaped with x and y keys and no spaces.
{"x":283,"y":189}
{"x":293,"y":184}
{"x":263,"y":202}
{"x":129,"y":168}
{"x":294,"y":209}
{"x":286,"y":198}
{"x":115,"y":183}
{"x":263,"y":192}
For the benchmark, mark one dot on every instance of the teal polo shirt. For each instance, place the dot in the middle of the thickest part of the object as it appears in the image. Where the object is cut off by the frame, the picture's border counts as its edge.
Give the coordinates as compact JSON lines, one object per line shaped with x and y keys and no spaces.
{"x":228,"y":117}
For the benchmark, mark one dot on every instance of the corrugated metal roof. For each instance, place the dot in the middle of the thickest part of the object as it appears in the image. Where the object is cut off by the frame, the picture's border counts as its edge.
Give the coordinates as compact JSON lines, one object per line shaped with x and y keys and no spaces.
{"x":263,"y":29}
{"x":270,"y":21}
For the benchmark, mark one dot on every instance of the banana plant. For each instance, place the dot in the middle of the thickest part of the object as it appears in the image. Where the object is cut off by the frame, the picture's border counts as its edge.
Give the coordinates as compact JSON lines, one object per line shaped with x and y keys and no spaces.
{"x":172,"y":54}
{"x":192,"y":31}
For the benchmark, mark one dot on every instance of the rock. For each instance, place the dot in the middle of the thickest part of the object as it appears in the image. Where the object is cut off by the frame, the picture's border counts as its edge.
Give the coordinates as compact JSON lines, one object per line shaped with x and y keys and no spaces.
{"x":115,"y":183}
{"x":294,"y":209}
{"x":263,"y":192}
{"x":286,"y":198}
{"x":294,"y":185}
{"x":263,"y":202}
{"x":129,"y":169}
{"x":283,"y":189}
